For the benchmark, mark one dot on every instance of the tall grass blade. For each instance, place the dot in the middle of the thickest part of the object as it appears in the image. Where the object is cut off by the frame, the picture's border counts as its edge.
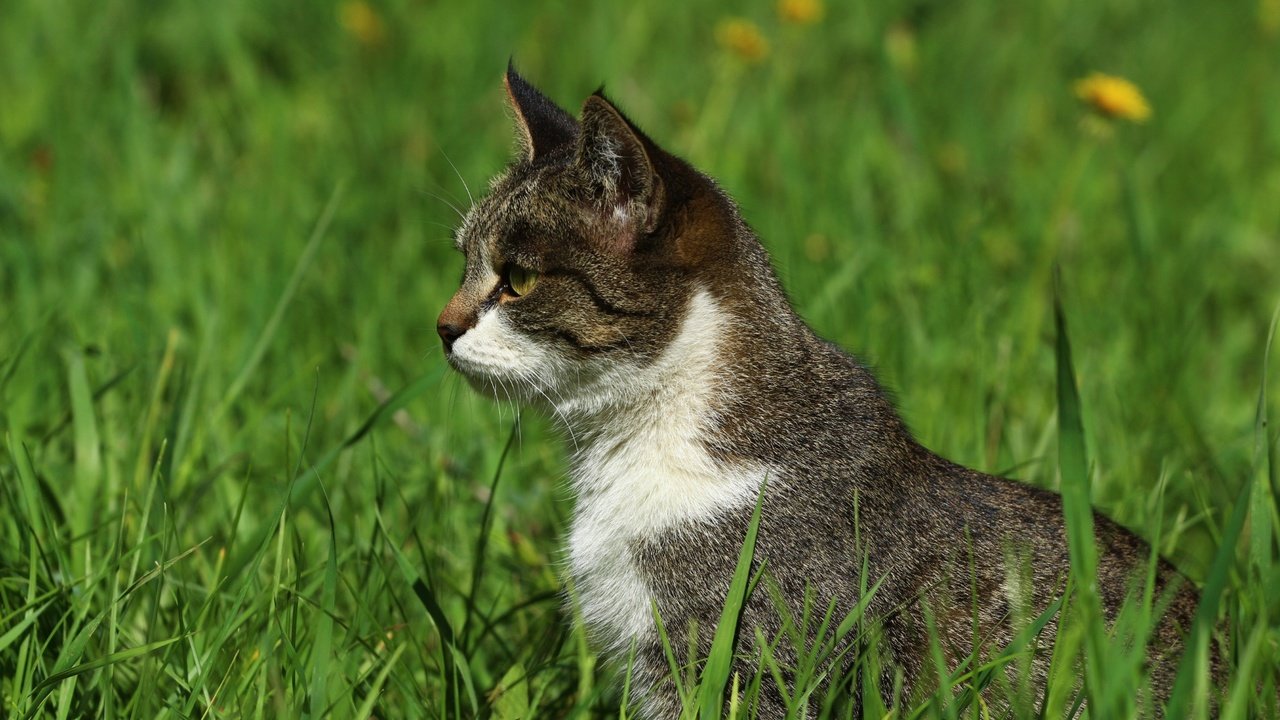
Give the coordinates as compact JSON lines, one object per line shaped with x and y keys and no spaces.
{"x":482,"y":535}
{"x":11,"y":362}
{"x":1078,"y":510}
{"x":88,"y":456}
{"x":322,"y":653}
{"x":510,"y":699}
{"x":68,"y":418}
{"x":15,"y":631}
{"x":1237,"y":705}
{"x":1207,"y":612}
{"x":282,"y":304}
{"x":715,"y":675}
{"x":448,"y":639}
{"x":375,"y":688}
{"x":1262,"y":500}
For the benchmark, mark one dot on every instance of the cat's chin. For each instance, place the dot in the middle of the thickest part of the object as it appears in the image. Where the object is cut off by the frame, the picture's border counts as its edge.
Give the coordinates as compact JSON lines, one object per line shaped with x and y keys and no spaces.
{"x":495,"y":383}
{"x":500,"y":390}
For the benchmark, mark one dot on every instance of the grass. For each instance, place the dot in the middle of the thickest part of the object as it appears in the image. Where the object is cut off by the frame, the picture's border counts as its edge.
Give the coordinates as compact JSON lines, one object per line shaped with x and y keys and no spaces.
{"x":237,"y":480}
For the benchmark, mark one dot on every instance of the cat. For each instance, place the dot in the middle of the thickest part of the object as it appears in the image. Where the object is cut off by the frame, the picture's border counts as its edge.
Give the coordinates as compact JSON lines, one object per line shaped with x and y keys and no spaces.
{"x":610,"y":283}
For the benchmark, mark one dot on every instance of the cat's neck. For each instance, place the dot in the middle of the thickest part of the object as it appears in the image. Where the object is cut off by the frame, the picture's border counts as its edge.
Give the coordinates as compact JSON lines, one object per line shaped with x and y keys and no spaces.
{"x":643,"y":467}
{"x":674,"y":398}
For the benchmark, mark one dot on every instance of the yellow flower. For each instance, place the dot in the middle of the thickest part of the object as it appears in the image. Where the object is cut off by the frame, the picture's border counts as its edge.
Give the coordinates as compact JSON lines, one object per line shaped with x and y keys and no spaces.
{"x":900,"y":47}
{"x":1269,"y":16}
{"x":743,"y":38}
{"x":817,"y":248}
{"x":1113,"y":97}
{"x":800,"y":11}
{"x":362,"y":22}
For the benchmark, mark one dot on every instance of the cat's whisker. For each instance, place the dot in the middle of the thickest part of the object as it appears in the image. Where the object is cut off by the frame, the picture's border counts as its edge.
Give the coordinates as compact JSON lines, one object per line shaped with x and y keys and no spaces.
{"x":506,"y":391}
{"x":493,"y":390}
{"x":431,"y":351}
{"x":447,"y":201}
{"x":471,"y":199}
{"x":515,"y":407}
{"x":630,"y":348}
{"x":555,"y":408}
{"x":453,"y":391}
{"x":442,"y":226}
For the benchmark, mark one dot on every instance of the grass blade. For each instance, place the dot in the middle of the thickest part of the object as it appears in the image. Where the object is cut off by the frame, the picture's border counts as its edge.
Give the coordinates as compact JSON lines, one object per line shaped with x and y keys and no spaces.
{"x":1207,"y":612}
{"x":1078,"y":509}
{"x":46,"y":686}
{"x":371,"y":697}
{"x":482,"y":538}
{"x":1262,"y":511}
{"x":715,"y":676}
{"x":88,"y":455}
{"x":322,"y":654}
{"x":286,"y":296}
{"x":14,"y":632}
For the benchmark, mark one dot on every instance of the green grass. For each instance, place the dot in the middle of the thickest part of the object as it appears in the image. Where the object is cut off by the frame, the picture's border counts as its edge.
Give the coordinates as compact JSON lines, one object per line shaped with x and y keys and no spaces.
{"x":237,"y":479}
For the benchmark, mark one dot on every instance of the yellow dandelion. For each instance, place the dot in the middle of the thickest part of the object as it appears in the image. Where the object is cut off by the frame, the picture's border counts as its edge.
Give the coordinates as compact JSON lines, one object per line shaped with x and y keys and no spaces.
{"x":1269,"y":16}
{"x":362,"y":22}
{"x":817,"y":248}
{"x":741,"y":37}
{"x":802,"y":12}
{"x":900,"y":47}
{"x":952,"y":159}
{"x":1113,"y":97}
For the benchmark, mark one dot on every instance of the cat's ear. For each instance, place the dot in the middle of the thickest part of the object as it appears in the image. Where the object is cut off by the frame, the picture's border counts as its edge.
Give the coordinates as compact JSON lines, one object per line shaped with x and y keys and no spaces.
{"x":542,"y":125}
{"x":618,"y":161}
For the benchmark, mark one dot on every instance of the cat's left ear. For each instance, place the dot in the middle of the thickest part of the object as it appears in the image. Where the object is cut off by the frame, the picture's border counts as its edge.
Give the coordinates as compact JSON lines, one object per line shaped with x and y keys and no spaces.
{"x":542,"y":124}
{"x":618,"y":161}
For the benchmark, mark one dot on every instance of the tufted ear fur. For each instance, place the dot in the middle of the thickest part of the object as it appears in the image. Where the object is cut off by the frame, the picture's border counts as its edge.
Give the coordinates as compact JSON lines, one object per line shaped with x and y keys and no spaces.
{"x":542,"y":124}
{"x":618,"y":162}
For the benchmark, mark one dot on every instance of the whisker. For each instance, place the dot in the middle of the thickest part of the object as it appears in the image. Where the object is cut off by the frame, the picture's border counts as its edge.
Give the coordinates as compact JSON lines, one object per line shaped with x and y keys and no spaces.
{"x":630,"y":348}
{"x":446,"y":201}
{"x":450,"y":228}
{"x":470,"y":199}
{"x":555,"y":408}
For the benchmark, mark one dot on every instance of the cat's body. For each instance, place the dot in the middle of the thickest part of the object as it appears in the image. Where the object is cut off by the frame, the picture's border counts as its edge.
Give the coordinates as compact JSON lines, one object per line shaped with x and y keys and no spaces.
{"x":659,"y":336}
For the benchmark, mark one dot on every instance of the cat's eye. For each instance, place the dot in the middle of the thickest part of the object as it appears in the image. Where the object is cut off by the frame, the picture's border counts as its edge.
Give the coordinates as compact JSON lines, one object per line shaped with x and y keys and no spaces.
{"x":521,"y":280}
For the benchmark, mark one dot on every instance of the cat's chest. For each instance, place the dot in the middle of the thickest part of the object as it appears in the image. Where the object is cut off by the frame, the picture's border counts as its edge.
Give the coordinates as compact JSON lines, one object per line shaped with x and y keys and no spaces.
{"x":642,"y":485}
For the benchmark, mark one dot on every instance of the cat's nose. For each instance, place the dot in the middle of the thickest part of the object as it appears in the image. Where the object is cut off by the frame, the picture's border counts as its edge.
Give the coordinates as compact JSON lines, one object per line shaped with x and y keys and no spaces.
{"x":449,"y":333}
{"x":456,"y":319}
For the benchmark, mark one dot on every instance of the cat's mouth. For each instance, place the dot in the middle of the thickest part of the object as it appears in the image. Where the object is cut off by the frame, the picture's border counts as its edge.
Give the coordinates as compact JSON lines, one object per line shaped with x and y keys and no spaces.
{"x":497,"y":383}
{"x":477,"y":371}
{"x":546,"y":385}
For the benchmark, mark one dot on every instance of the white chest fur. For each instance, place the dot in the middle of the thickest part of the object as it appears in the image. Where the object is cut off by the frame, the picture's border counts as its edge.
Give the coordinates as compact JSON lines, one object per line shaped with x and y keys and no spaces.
{"x":644,"y":471}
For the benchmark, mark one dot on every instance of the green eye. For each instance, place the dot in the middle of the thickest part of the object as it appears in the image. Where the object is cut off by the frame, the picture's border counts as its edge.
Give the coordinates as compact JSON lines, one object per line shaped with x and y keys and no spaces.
{"x":521,"y":280}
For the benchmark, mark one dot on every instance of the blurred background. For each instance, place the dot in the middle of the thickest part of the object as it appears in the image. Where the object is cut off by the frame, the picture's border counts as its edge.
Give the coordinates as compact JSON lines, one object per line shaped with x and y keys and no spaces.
{"x":225,"y":235}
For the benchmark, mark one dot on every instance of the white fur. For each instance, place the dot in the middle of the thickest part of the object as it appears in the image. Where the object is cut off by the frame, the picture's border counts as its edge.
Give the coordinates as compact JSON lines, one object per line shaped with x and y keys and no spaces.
{"x":643,"y":470}
{"x":640,"y":467}
{"x":512,"y":365}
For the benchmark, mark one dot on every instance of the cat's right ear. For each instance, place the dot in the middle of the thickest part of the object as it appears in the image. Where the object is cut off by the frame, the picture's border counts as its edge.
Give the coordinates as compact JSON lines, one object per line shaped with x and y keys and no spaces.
{"x":616,"y":159}
{"x":542,"y":124}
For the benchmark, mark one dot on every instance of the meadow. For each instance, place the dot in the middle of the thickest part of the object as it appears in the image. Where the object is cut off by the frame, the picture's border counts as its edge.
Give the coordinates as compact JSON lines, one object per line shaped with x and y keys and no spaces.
{"x":237,"y":478}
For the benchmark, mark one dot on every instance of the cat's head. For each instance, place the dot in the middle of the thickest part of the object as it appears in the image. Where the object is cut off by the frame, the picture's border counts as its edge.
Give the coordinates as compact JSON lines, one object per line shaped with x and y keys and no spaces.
{"x":582,"y":259}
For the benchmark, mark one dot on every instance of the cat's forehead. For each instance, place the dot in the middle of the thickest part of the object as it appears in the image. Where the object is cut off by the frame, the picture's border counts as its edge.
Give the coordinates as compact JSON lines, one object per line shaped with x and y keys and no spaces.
{"x":523,"y":211}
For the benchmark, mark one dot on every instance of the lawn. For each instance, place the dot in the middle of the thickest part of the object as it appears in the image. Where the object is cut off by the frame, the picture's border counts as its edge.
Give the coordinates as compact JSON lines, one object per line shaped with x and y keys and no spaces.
{"x":238,"y":479}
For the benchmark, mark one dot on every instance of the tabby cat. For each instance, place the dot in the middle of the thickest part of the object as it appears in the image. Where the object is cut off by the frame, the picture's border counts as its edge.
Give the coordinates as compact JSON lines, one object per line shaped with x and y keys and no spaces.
{"x":615,"y":286}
